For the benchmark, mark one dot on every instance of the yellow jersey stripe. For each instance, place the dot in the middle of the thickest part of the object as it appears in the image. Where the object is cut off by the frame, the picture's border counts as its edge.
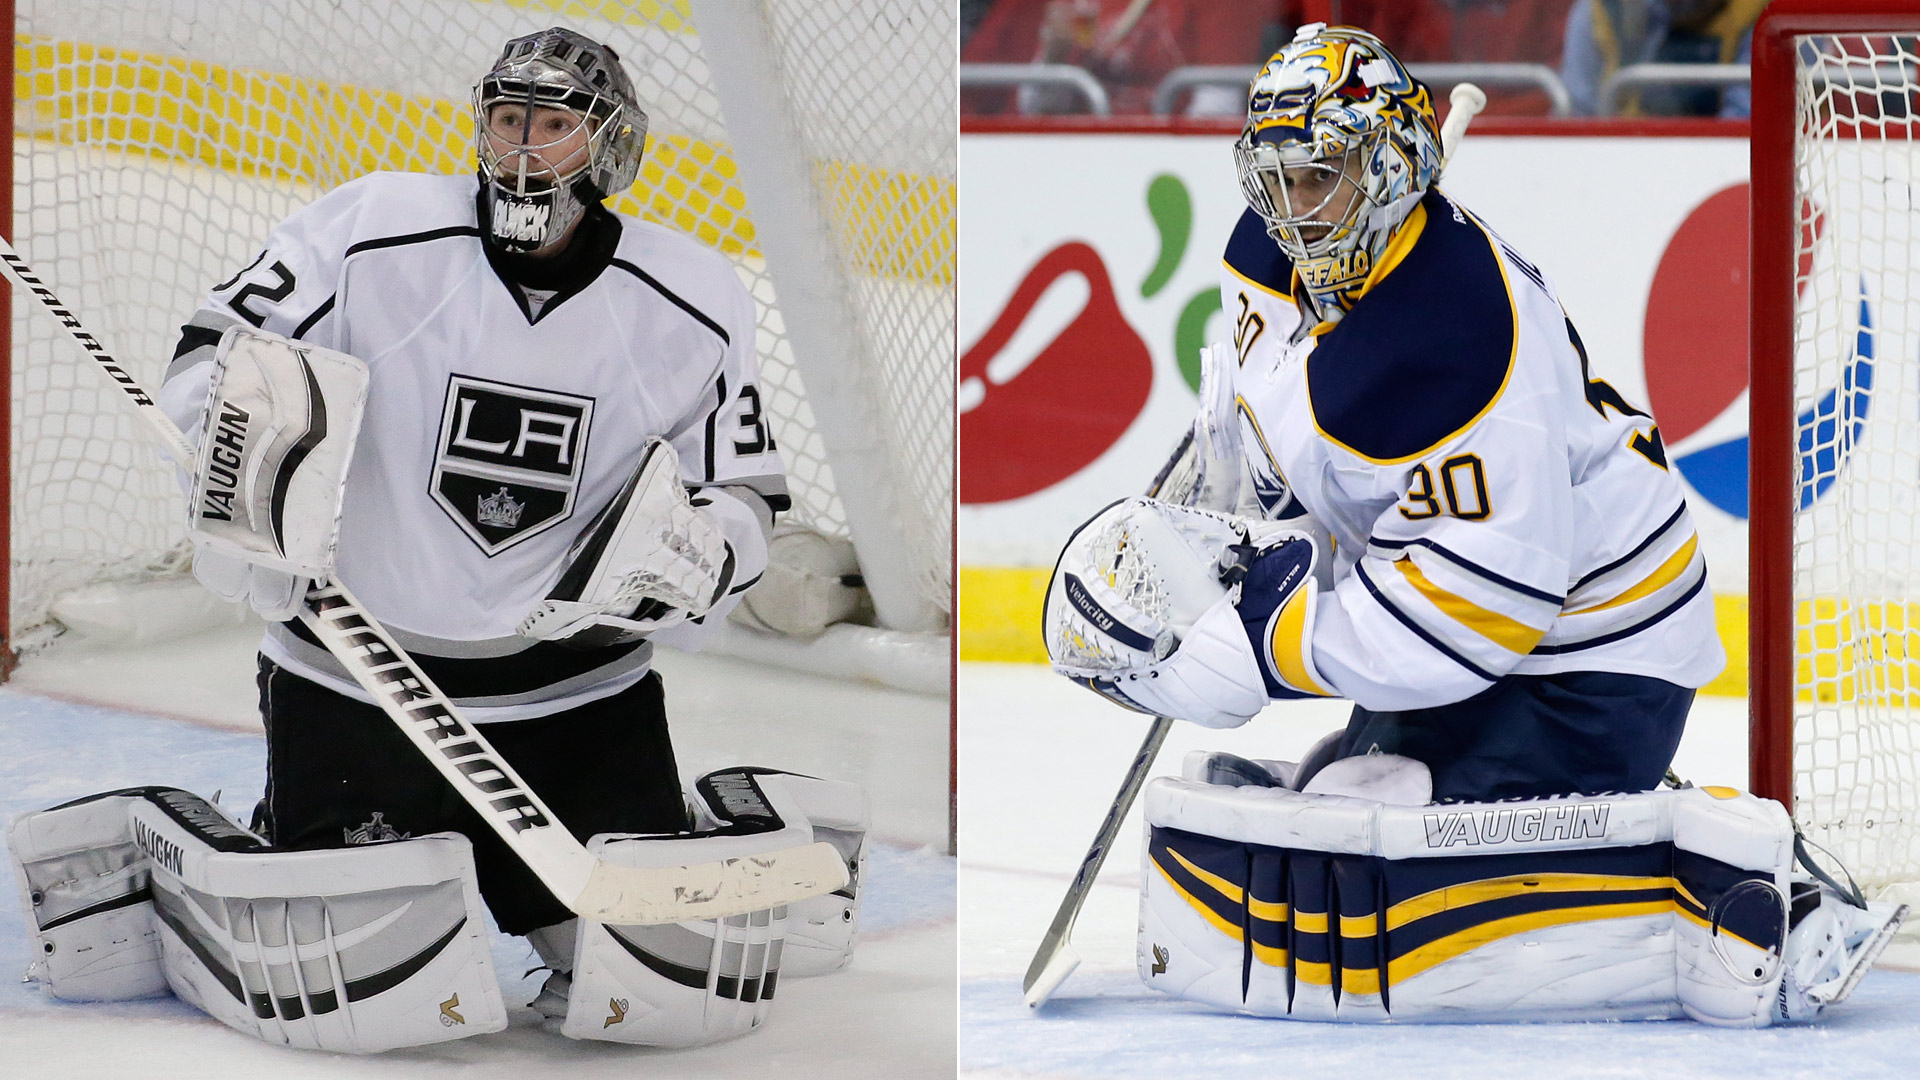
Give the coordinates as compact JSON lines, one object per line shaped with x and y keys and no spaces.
{"x":1313,"y":974}
{"x":1268,"y":289}
{"x":1310,"y":922}
{"x":1397,"y":248}
{"x":1508,"y":633}
{"x":1360,"y":926}
{"x":1270,"y":955}
{"x":1360,"y":980}
{"x":1666,"y":574}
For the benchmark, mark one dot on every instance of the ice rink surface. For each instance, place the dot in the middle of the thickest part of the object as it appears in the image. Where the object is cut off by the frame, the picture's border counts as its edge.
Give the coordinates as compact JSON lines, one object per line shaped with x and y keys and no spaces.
{"x":1040,"y":761}
{"x":81,"y":718}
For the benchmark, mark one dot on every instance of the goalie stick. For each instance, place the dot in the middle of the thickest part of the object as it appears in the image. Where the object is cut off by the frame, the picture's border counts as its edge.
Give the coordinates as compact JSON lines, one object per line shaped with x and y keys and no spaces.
{"x":590,"y":887}
{"x":1055,"y":959}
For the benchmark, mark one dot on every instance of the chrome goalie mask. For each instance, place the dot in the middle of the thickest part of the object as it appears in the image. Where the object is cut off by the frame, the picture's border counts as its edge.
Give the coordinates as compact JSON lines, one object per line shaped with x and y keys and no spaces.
{"x":538,"y":171}
{"x":1340,"y":143}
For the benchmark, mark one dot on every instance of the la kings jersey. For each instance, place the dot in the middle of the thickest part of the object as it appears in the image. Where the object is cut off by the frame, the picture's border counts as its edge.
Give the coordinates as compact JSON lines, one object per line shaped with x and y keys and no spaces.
{"x":497,"y":426}
{"x":1494,"y":508}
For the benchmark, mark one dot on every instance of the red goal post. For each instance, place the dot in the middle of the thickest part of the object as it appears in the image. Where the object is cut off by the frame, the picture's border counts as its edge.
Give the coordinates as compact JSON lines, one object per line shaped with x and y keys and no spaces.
{"x":1834,"y":559}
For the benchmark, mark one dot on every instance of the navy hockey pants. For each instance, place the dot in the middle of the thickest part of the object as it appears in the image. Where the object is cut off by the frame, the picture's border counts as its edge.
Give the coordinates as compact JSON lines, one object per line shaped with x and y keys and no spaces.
{"x":1583,"y":732}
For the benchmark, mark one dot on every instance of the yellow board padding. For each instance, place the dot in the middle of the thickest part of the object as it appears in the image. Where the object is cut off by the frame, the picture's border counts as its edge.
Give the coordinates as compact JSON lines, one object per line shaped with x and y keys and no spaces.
{"x":275,"y":126}
{"x":999,"y":620}
{"x":999,"y":617}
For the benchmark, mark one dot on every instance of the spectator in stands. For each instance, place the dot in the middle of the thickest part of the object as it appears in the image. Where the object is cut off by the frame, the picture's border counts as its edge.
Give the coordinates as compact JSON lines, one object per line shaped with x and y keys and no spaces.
{"x":1604,"y":36}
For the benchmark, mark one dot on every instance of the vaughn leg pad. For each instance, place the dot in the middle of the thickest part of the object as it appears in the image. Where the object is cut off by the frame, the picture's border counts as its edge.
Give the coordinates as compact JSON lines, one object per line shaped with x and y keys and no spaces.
{"x":694,"y":983}
{"x":1272,"y":902}
{"x":355,"y":949}
{"x":88,"y":899}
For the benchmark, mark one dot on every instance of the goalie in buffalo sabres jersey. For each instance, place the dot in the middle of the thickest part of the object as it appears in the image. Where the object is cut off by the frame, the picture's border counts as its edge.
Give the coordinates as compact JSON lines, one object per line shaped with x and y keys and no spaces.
{"x":1513,"y":592}
{"x":562,"y":462}
{"x":1406,"y":487}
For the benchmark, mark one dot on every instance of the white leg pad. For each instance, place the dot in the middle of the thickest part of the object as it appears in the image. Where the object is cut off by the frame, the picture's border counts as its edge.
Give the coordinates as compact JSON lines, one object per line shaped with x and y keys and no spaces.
{"x":1261,"y":900}
{"x":694,"y":983}
{"x":89,"y":904}
{"x":356,"y":949}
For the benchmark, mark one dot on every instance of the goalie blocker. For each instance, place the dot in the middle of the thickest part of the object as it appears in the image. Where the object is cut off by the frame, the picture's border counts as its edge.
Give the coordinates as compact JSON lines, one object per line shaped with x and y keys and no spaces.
{"x":1684,"y":902}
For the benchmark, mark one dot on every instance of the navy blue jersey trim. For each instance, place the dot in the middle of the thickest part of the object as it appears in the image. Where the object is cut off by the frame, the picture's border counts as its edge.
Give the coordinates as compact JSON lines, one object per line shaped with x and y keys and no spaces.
{"x":1629,"y":631}
{"x":1470,"y":566}
{"x":1418,"y":630}
{"x":677,"y":302}
{"x":1254,"y":255}
{"x":1425,"y":353}
{"x":1679,"y":512}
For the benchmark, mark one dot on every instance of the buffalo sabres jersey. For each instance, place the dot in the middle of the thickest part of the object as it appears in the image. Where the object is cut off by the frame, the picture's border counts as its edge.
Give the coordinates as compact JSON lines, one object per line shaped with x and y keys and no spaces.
{"x":500,"y":419}
{"x":1494,"y":507}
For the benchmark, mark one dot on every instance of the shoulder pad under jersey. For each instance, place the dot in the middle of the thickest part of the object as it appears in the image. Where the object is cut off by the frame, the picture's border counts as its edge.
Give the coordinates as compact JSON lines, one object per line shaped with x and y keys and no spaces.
{"x":1426,"y":351}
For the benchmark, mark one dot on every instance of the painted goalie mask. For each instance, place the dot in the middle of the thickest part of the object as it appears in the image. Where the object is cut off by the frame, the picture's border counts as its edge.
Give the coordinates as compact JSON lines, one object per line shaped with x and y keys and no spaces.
{"x":1340,"y":143}
{"x":540,"y":176}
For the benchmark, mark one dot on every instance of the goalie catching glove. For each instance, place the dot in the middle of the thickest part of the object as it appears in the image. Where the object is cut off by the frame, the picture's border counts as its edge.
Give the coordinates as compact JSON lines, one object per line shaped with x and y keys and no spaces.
{"x":1185,"y":613}
{"x":276,"y":438}
{"x":649,"y":560}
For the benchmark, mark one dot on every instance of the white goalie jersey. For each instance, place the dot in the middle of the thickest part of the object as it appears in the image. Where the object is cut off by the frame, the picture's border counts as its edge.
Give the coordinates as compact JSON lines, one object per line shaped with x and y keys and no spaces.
{"x":1494,"y":507}
{"x":499,"y":420}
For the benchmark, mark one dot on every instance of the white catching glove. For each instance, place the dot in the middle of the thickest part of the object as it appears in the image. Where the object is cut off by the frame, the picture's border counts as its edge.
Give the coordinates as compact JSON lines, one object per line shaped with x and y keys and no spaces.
{"x":276,"y":437}
{"x":1143,"y":608}
{"x":648,"y":561}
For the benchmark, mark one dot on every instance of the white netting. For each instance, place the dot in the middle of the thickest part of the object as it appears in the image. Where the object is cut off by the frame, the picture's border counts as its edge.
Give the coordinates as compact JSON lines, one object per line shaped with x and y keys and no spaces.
{"x":156,"y":142}
{"x":1856,"y":539}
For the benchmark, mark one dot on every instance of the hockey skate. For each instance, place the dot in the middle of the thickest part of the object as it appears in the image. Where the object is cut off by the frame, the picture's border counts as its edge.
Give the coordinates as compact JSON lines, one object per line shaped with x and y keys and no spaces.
{"x":1832,"y":941}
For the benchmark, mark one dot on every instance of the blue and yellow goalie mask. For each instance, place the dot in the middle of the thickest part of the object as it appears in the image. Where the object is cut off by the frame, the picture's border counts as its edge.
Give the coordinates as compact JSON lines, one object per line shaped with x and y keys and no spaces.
{"x":1340,"y":142}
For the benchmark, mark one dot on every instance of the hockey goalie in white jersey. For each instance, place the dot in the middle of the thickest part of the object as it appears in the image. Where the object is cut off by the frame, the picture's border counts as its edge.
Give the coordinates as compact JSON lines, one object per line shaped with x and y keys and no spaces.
{"x":1407,"y":487}
{"x":534,"y":427}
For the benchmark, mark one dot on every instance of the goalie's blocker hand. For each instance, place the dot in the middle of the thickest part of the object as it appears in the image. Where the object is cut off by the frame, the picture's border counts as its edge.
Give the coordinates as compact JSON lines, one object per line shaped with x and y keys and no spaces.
{"x":1184,"y":613}
{"x":649,"y":560}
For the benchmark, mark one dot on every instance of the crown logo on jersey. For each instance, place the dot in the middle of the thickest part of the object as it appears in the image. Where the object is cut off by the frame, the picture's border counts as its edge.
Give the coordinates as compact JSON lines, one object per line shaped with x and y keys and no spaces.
{"x":500,"y":510}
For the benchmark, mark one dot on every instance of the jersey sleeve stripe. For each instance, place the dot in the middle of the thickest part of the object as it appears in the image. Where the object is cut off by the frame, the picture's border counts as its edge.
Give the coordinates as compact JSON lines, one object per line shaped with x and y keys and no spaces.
{"x":1419,"y":631}
{"x":1628,"y":631}
{"x":1470,"y":566}
{"x":1672,"y":520}
{"x":713,"y":418}
{"x":1663,"y":575}
{"x":411,"y":238}
{"x":1510,"y":634}
{"x":672,"y":296}
{"x":319,"y":313}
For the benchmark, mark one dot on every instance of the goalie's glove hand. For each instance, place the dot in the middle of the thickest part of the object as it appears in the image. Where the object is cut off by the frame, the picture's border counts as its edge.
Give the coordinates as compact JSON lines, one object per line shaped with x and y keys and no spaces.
{"x":274,"y":595}
{"x":1144,"y":608}
{"x":649,"y":560}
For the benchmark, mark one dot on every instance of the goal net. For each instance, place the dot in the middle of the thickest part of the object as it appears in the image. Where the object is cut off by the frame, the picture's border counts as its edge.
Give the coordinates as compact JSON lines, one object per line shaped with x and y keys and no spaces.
{"x":1836,"y":552}
{"x":156,"y":142}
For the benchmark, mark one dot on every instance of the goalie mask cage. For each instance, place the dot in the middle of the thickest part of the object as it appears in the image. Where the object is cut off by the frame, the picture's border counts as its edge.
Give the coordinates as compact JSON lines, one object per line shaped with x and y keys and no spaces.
{"x":157,"y":142}
{"x":1835,"y":428}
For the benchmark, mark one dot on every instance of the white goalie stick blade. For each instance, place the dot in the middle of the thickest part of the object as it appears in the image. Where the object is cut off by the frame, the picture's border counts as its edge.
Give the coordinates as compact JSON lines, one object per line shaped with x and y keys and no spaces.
{"x":462,"y":755}
{"x":590,"y":887}
{"x":1055,"y":959}
{"x":1863,"y":960}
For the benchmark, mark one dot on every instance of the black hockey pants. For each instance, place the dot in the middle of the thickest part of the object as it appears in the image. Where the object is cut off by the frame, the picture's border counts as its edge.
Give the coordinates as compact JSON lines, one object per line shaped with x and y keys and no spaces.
{"x":339,"y":772}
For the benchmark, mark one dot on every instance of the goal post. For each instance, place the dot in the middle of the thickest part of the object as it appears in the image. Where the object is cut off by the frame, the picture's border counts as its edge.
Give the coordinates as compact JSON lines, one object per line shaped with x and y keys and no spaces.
{"x":156,"y":142}
{"x":1834,"y":588}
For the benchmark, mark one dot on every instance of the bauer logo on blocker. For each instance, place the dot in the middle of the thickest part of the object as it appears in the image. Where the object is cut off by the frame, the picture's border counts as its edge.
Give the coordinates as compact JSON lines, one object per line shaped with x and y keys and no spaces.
{"x":508,"y":462}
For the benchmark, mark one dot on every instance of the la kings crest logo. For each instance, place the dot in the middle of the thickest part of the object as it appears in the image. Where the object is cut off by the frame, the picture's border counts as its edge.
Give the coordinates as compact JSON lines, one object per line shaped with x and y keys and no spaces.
{"x":508,"y":462}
